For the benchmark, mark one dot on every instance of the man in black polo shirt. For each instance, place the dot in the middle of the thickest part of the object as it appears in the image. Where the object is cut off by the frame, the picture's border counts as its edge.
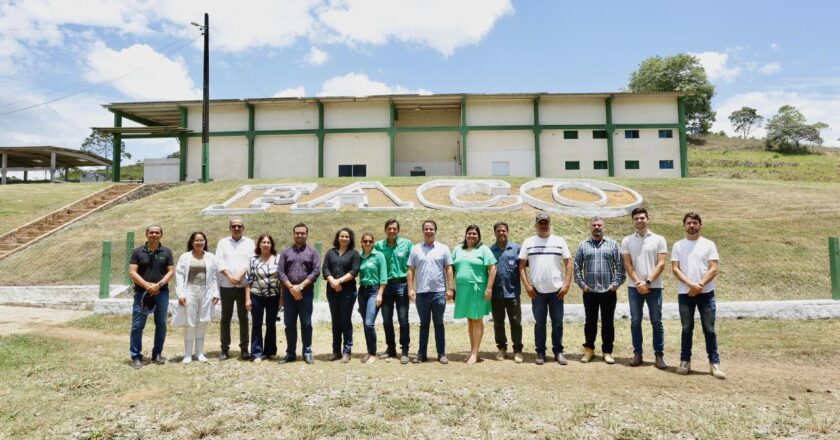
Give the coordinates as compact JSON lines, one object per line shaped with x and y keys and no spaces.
{"x":150,"y":268}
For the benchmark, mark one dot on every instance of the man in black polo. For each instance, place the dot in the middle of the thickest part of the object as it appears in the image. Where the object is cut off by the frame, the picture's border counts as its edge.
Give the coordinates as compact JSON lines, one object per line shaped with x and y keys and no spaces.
{"x":151,"y":267}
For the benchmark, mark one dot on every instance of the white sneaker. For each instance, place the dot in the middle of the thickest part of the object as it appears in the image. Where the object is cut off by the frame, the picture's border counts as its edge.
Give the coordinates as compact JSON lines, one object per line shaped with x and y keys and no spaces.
{"x":201,"y":358}
{"x":684,"y":368}
{"x":717,"y":371}
{"x":257,"y":360}
{"x":187,"y":360}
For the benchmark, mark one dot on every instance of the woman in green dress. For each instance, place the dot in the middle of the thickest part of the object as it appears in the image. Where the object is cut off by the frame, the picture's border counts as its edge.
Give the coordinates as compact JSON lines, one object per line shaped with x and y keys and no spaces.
{"x":475,"y":270}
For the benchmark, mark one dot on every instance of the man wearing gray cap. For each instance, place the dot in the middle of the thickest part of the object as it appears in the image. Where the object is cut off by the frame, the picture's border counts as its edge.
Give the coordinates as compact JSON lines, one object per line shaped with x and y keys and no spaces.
{"x":543,"y":255}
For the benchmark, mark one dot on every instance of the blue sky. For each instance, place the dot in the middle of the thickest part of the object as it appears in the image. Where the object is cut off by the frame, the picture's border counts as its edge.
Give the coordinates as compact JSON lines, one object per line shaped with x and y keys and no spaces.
{"x":760,"y":54}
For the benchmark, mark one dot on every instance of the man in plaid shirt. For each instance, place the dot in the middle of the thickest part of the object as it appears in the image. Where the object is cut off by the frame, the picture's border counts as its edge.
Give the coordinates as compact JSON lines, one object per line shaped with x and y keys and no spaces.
{"x":599,"y":272}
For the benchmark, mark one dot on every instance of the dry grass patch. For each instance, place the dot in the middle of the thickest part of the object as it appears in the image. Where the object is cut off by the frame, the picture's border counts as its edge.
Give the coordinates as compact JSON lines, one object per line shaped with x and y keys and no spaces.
{"x":20,"y":204}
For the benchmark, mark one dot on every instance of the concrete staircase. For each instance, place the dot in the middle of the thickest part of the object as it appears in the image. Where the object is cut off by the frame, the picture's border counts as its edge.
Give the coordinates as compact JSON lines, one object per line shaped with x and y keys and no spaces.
{"x":45,"y":226}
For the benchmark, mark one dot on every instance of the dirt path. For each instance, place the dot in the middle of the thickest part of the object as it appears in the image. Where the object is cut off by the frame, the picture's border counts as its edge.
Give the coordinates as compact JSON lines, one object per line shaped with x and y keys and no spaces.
{"x":15,"y":320}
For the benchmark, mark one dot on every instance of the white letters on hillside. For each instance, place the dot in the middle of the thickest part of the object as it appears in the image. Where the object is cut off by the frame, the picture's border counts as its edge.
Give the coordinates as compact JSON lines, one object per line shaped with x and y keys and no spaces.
{"x":501,"y":199}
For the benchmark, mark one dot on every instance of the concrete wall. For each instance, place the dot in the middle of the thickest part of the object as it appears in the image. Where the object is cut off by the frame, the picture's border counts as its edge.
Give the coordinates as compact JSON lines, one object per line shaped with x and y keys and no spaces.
{"x":568,"y":111}
{"x":648,"y":150}
{"x":286,"y":156}
{"x":514,"y":147}
{"x":500,"y":112}
{"x":436,"y":152}
{"x":372,"y":149}
{"x":645,"y":110}
{"x":291,"y":116}
{"x":356,"y":115}
{"x":555,"y":151}
{"x":427,"y":118}
{"x":232,"y":117}
{"x":161,"y":170}
{"x":228,"y":158}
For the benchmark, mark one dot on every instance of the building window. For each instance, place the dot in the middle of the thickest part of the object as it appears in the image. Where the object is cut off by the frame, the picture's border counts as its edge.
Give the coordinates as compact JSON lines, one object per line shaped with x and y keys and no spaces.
{"x":631,"y":134}
{"x":666,"y":134}
{"x":572,"y":165}
{"x":600,"y":165}
{"x":666,"y":164}
{"x":501,"y":168}
{"x":631,"y":164}
{"x":599,"y":134}
{"x":570,"y":134}
{"x":352,"y":170}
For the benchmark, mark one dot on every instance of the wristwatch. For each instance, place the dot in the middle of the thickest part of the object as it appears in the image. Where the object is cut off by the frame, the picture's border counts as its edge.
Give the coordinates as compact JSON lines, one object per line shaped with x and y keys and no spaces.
{"x":648,"y":282}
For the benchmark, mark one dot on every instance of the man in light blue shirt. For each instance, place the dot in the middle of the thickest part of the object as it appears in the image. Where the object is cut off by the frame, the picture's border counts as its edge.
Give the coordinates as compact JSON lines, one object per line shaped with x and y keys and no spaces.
{"x":430,"y":284}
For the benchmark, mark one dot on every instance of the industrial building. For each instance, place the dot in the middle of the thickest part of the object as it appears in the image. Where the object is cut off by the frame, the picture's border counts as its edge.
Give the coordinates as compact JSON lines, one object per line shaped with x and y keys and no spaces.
{"x":636,"y":135}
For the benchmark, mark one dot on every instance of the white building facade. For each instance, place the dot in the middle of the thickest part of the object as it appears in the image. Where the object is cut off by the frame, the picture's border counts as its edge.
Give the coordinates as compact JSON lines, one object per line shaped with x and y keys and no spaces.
{"x":529,"y":135}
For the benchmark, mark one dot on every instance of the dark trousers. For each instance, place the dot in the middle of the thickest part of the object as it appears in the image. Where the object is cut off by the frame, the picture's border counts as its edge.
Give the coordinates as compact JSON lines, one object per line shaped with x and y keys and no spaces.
{"x":395,"y":296}
{"x":548,"y":305}
{"x":707,"y":306}
{"x":302,"y":310}
{"x":267,"y":307}
{"x":341,"y":311}
{"x":138,"y":323}
{"x":231,"y":295}
{"x":592,"y":303}
{"x":431,"y":307}
{"x":513,"y":308}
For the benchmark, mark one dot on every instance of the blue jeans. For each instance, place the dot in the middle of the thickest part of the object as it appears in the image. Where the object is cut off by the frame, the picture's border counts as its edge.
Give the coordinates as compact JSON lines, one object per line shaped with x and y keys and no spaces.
{"x":138,"y":323}
{"x":548,"y":305}
{"x":430,"y":306}
{"x":705,"y":303}
{"x":341,"y":311}
{"x":268,"y":307}
{"x":368,"y":310}
{"x":292,"y":311}
{"x":654,"y":303}
{"x":395,"y":294}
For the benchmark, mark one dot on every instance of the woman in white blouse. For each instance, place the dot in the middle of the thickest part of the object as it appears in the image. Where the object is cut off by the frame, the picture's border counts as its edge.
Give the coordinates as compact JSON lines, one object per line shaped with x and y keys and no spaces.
{"x":197,"y":287}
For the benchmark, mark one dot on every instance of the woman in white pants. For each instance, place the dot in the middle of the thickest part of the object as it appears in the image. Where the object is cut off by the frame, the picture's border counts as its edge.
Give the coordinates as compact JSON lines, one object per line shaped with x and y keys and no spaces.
{"x":197,"y":287}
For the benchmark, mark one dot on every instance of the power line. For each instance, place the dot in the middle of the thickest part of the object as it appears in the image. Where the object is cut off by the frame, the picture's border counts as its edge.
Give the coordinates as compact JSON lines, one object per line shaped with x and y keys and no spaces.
{"x":92,"y":87}
{"x":233,"y":65}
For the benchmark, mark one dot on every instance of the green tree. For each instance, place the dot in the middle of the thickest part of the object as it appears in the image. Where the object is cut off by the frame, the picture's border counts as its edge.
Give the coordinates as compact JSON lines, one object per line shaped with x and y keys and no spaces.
{"x":744,"y":120}
{"x":679,"y":73}
{"x":103,"y":144}
{"x":788,"y":130}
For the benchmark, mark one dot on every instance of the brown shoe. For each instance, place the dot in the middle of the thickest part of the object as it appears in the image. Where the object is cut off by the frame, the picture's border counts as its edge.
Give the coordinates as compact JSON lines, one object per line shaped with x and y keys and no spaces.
{"x":501,"y":355}
{"x":335,"y":357}
{"x":588,"y":354}
{"x":637,"y":360}
{"x":660,"y":363}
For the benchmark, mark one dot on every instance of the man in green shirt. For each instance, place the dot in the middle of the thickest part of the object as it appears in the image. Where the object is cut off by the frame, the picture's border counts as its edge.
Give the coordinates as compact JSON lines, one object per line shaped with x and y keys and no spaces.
{"x":396,"y":251}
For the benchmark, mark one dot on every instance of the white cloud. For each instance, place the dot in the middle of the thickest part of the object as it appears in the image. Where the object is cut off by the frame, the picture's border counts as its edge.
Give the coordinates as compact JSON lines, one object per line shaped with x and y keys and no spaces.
{"x":770,"y":68}
{"x":716,"y":65}
{"x":162,"y":78}
{"x":316,"y":57}
{"x":442,"y":25}
{"x":294,"y":92}
{"x":774,"y":46}
{"x":358,"y":84}
{"x":816,"y":108}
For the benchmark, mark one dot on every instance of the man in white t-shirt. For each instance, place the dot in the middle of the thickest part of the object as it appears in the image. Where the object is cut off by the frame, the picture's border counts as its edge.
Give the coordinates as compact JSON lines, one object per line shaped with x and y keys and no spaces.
{"x":544,"y":255}
{"x":694,"y":261}
{"x":644,"y":255}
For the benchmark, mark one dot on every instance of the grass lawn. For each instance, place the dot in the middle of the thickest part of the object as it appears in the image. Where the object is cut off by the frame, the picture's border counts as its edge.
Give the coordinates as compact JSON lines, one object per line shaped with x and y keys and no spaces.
{"x":22,"y":203}
{"x":771,"y":234}
{"x":74,"y":381}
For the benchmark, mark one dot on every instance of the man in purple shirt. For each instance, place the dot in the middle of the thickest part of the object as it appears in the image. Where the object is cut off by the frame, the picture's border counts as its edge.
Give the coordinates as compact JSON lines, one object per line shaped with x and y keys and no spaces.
{"x":298,"y":268}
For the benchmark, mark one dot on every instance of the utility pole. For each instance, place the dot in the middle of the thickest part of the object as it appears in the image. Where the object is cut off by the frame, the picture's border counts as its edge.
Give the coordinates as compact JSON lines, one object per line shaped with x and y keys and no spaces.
{"x":205,"y":102}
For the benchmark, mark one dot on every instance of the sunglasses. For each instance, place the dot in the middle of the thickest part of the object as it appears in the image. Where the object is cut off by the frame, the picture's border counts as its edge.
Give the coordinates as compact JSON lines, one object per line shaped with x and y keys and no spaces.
{"x":367,"y":241}
{"x":237,"y":227}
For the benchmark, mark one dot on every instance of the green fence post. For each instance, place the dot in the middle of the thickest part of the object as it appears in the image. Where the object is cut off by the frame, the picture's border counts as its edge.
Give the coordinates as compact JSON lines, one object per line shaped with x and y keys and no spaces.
{"x":129,"y":247}
{"x":105,"y":272}
{"x":318,"y":280}
{"x":834,"y":263}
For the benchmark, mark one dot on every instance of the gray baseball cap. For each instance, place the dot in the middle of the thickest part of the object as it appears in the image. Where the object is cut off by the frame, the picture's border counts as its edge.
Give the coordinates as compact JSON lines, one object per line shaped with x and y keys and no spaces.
{"x":542,"y":216}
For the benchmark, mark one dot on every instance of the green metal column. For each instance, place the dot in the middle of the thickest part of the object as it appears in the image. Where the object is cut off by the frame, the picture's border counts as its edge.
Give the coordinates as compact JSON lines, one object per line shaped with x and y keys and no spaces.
{"x":129,"y":247}
{"x":318,"y":282}
{"x":683,"y":138}
{"x":251,"y":137}
{"x":610,"y":130}
{"x":834,"y":262}
{"x":537,"y":131}
{"x":182,"y":140}
{"x":117,"y":151}
{"x":464,"y":130}
{"x":105,"y":270}
{"x":392,"y":131}
{"x":320,"y":134}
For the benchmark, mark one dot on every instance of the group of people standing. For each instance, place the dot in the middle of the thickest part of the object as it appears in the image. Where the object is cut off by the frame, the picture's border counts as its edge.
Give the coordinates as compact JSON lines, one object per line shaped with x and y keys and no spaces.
{"x":388,"y":274}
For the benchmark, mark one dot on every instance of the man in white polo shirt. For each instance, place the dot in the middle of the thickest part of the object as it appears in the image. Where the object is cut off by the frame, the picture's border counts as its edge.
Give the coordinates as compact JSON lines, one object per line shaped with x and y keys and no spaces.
{"x":233,"y":254}
{"x":644,"y":255}
{"x":544,"y":255}
{"x":694,"y":261}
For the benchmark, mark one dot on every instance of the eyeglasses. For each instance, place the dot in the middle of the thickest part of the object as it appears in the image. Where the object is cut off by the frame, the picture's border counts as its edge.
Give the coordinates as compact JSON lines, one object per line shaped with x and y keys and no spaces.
{"x":367,"y":241}
{"x":237,"y":227}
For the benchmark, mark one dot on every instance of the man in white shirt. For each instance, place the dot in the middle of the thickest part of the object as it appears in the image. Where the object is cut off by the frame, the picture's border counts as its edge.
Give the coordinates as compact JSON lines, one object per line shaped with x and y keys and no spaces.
{"x":644,"y":255}
{"x":234,"y":255}
{"x":694,"y":261}
{"x":543,"y":255}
